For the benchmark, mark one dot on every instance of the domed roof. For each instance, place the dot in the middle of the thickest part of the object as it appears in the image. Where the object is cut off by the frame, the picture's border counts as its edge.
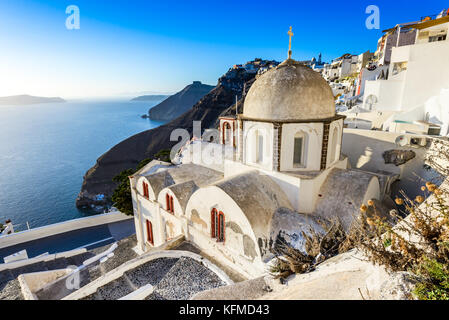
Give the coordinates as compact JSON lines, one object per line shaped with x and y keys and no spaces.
{"x":289,"y":92}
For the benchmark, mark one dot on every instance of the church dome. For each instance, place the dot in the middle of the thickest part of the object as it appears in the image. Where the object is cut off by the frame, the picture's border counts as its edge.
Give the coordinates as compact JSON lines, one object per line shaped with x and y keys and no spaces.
{"x":289,"y":92}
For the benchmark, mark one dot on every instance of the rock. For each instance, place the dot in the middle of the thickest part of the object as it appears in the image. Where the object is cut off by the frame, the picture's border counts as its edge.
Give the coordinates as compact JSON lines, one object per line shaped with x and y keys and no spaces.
{"x":399,"y":286}
{"x":181,"y":102}
{"x":398,"y":157}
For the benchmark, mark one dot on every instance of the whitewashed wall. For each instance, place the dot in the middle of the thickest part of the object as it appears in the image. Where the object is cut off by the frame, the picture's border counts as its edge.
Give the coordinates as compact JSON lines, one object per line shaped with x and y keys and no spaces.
{"x":314,"y":143}
{"x":250,"y":129}
{"x":239,"y":233}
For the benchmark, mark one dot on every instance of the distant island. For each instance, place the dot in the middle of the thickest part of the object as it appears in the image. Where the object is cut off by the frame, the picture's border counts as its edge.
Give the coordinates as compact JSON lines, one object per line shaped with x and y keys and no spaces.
{"x":26,"y":100}
{"x":151,"y":98}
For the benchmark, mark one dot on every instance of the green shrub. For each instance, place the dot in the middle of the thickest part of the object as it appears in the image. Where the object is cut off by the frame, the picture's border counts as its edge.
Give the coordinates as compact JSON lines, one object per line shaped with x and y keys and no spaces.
{"x":122,"y":195}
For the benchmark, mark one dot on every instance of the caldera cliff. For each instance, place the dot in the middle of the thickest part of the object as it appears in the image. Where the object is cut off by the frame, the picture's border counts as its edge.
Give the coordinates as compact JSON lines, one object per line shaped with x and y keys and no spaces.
{"x":128,"y":153}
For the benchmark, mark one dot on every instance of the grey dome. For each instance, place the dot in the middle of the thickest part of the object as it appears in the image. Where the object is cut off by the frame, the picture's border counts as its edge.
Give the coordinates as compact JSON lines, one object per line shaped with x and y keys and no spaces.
{"x":291,"y":91}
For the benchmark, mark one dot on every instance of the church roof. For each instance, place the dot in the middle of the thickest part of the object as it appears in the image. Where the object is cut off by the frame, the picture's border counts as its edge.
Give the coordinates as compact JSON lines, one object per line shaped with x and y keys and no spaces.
{"x":258,"y":196}
{"x":291,"y":91}
{"x":342,"y":194}
{"x":201,"y":176}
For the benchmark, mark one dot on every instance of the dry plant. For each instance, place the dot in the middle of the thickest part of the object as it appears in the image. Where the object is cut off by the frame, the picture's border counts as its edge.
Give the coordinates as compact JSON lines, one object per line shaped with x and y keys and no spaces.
{"x":318,"y":248}
{"x":418,"y":243}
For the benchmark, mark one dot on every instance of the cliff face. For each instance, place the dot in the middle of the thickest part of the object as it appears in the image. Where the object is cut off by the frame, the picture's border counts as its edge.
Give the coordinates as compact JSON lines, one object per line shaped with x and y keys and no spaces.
{"x":178,"y":104}
{"x":127,"y":154}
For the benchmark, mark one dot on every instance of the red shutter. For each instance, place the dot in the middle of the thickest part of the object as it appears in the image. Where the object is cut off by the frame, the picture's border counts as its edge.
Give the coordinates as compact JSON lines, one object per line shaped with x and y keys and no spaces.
{"x":221,"y":227}
{"x":150,"y":232}
{"x":167,"y":202}
{"x":172,"y":207}
{"x":213,"y":216}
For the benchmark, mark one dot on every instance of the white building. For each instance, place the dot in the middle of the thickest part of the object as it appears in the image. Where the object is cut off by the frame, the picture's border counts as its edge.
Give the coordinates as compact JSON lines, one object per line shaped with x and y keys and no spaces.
{"x":283,"y":171}
{"x":415,"y":94}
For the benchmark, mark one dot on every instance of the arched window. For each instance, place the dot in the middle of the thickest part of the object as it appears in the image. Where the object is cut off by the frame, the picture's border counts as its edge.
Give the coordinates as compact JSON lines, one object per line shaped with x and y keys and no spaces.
{"x":334,"y":146}
{"x":221,"y":227}
{"x":150,"y":238}
{"x":146,"y":192}
{"x":227,"y":134}
{"x":299,"y":150}
{"x":259,"y":147}
{"x":169,"y":203}
{"x":218,"y":225}
{"x":213,"y":223}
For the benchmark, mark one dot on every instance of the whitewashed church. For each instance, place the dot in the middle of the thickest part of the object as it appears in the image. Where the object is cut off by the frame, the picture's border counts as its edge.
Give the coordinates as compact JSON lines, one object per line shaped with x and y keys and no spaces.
{"x":285,"y":169}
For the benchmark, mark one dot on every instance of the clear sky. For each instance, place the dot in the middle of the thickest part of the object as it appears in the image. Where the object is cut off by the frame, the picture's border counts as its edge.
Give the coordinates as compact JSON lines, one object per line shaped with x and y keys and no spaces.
{"x":129,"y":47}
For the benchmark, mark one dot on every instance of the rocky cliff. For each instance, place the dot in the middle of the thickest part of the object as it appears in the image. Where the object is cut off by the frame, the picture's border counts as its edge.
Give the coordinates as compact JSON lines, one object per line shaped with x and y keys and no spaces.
{"x":127,"y":154}
{"x":179,"y":103}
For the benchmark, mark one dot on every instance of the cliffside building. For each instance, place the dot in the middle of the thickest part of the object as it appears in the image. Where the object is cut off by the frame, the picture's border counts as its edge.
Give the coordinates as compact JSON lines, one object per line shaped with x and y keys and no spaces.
{"x":414,"y":97}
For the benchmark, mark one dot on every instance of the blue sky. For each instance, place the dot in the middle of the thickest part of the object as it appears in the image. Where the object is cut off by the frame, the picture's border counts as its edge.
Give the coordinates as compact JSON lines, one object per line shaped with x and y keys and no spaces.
{"x":128,"y":47}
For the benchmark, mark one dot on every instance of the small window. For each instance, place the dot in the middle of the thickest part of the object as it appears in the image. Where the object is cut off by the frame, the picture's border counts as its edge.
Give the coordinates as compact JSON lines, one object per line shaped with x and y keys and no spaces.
{"x":259,"y":147}
{"x":298,"y":151}
{"x":227,"y":134}
{"x":221,"y":227}
{"x":146,"y":192}
{"x":213,"y":223}
{"x":150,"y":238}
{"x":169,"y":203}
{"x":218,"y":225}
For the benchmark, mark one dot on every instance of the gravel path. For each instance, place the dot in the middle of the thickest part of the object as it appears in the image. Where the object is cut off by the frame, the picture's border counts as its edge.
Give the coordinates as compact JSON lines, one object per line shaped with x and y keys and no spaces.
{"x":186,"y":278}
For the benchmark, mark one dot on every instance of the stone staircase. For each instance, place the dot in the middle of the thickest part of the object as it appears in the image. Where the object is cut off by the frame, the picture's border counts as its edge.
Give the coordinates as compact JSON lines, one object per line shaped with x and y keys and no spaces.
{"x":171,"y":278}
{"x":9,"y":285}
{"x":10,"y":288}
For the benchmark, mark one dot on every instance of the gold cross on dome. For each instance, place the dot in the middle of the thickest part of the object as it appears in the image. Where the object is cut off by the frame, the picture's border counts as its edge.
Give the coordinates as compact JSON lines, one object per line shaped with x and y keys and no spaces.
{"x":291,"y":34}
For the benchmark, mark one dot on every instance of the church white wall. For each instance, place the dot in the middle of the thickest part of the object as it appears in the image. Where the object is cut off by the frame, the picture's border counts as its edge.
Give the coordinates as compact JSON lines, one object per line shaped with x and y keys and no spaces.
{"x":307,"y":195}
{"x":314,"y":132}
{"x":137,"y":215}
{"x":250,"y":129}
{"x":240,"y":250}
{"x":172,"y":223}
